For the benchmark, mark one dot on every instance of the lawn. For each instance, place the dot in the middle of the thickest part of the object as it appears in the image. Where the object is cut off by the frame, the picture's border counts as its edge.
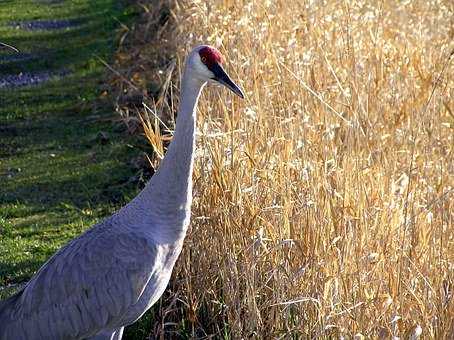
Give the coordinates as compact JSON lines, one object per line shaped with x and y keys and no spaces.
{"x":64,"y":161}
{"x":322,"y":203}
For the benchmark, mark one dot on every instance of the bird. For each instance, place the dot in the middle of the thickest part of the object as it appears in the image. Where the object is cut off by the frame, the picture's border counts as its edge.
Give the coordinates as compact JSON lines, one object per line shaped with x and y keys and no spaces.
{"x":110,"y":275}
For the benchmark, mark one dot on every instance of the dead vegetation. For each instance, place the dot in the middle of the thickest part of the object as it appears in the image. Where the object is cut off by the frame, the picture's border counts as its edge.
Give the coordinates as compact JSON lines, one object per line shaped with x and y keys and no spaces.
{"x":323,"y":203}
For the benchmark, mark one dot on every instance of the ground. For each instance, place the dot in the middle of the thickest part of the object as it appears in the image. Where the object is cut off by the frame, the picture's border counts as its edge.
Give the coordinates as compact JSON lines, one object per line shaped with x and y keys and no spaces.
{"x":64,"y":161}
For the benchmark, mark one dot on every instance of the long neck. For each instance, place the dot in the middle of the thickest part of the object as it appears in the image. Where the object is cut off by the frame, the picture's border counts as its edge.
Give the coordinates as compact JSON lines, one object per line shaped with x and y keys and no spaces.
{"x":168,"y":195}
{"x":174,"y":174}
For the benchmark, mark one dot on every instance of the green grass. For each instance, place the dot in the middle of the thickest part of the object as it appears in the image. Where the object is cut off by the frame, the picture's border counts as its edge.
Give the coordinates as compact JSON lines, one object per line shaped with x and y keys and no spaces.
{"x":57,"y":177}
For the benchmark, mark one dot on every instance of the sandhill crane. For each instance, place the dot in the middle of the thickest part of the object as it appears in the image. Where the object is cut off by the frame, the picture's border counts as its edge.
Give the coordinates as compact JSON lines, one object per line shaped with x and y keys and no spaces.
{"x":110,"y":275}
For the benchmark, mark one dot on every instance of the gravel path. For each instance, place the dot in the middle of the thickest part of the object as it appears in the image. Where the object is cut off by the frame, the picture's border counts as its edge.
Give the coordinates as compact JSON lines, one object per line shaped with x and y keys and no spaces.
{"x":25,"y":79}
{"x":33,"y":78}
{"x":16,"y":57}
{"x":14,"y":80}
{"x":35,"y":25}
{"x":49,"y":2}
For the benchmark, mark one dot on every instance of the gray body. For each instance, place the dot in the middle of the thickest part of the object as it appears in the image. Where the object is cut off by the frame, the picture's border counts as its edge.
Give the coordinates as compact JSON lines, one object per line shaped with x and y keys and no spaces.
{"x":110,"y":275}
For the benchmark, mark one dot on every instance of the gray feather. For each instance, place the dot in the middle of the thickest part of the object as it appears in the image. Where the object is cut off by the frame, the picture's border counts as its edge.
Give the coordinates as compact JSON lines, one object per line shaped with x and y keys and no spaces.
{"x":110,"y":275}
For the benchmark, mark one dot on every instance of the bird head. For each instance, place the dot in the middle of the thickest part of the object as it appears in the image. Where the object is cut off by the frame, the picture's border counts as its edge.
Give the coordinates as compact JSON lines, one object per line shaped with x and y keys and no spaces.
{"x":206,"y":63}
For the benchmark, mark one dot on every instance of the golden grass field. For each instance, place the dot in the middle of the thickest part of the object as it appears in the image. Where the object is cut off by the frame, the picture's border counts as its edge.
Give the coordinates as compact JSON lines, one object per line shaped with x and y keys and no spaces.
{"x":323,"y":203}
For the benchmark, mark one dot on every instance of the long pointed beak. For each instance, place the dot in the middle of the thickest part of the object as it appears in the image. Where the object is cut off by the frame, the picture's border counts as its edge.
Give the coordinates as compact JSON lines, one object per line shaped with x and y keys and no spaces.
{"x":222,"y":77}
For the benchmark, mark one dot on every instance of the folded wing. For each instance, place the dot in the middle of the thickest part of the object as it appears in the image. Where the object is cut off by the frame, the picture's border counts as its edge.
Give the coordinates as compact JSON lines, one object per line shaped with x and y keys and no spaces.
{"x":85,"y":287}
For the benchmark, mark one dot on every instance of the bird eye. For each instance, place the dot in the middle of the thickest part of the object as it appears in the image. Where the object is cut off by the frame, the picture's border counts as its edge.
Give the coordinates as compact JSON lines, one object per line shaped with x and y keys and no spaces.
{"x":204,"y":60}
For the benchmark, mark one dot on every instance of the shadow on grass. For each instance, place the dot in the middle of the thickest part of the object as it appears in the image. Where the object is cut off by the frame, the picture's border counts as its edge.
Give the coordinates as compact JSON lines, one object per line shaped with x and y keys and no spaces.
{"x":89,"y":189}
{"x":53,"y":166}
{"x":25,"y":268}
{"x":59,"y":48}
{"x":57,"y":177}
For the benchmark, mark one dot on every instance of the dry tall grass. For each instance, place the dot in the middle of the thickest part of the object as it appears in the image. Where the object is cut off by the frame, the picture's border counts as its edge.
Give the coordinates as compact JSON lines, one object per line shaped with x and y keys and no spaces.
{"x":323,"y":203}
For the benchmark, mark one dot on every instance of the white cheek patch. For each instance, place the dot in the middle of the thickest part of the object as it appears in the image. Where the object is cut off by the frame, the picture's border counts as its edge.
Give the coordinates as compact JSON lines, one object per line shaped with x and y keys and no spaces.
{"x":201,"y":68}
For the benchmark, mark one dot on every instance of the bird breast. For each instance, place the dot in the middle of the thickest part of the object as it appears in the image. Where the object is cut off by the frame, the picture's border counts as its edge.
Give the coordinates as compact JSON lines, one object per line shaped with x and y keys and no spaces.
{"x":166,"y":256}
